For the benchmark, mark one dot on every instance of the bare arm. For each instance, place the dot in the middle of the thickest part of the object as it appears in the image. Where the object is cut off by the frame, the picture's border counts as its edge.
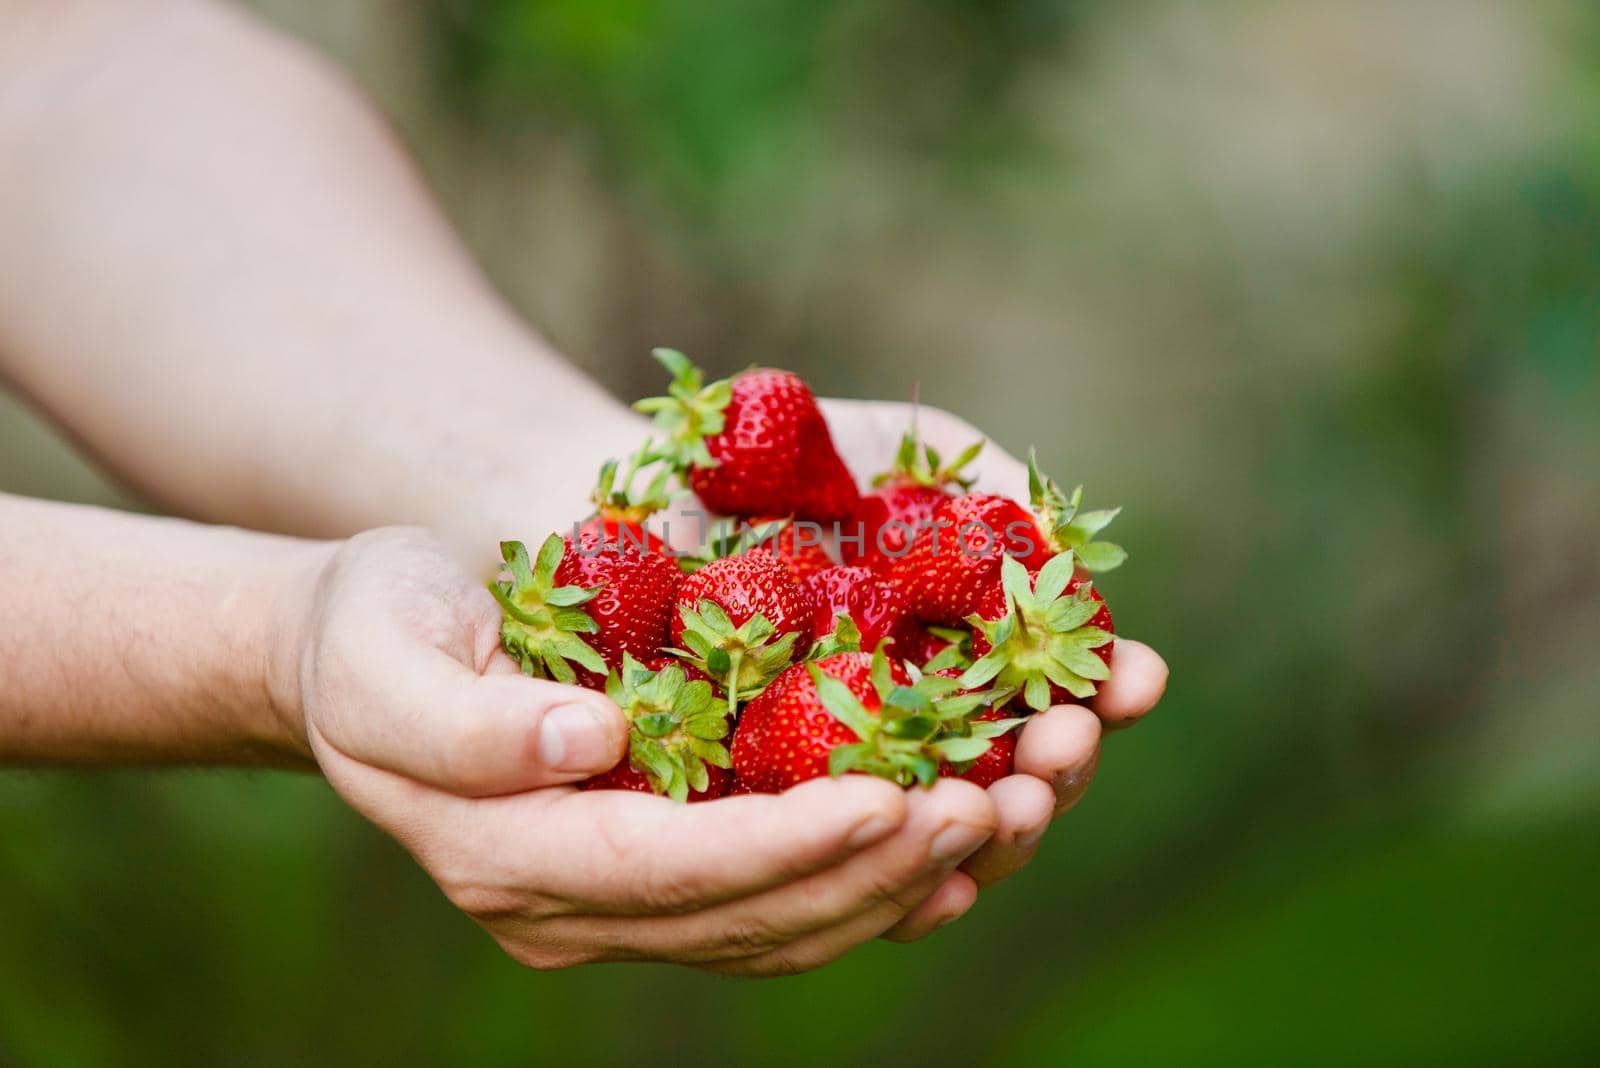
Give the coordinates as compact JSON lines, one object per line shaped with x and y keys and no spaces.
{"x":130,"y":640}
{"x":222,"y":275}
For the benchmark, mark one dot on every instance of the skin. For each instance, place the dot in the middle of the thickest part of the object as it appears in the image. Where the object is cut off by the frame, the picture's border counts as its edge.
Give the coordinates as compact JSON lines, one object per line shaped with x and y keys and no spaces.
{"x":287,"y":336}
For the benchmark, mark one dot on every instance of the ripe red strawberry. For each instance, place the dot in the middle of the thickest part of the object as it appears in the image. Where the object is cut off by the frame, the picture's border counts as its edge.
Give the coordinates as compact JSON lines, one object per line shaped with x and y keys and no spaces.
{"x":675,"y":732}
{"x":756,"y":444}
{"x":994,"y":763}
{"x":621,"y":515}
{"x":797,"y":543}
{"x":853,"y":712}
{"x":634,"y":603}
{"x":955,"y":560}
{"x":902,"y":499}
{"x":1045,"y":635}
{"x":738,"y":788}
{"x":739,"y":619}
{"x":879,"y":609}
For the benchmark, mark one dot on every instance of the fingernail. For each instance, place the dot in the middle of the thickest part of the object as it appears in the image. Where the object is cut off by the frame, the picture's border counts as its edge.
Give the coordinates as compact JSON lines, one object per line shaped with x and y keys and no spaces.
{"x":873,"y":829}
{"x":573,"y":738}
{"x":955,"y":842}
{"x":1029,"y":840}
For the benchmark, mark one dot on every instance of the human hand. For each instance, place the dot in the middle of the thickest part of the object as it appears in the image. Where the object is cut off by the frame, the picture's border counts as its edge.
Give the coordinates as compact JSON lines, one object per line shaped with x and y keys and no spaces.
{"x":394,"y":675}
{"x":1059,"y":748}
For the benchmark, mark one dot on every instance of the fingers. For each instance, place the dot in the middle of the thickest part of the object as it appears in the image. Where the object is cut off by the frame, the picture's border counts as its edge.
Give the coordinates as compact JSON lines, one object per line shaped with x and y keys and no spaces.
{"x":622,"y":853}
{"x":868,"y":892}
{"x":1138,"y":679}
{"x":1061,"y":746}
{"x":1025,"y":805}
{"x":948,"y":903}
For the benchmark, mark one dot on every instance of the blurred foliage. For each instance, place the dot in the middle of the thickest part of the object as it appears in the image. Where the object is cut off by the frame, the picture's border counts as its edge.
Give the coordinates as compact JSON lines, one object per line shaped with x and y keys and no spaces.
{"x":1312,"y":289}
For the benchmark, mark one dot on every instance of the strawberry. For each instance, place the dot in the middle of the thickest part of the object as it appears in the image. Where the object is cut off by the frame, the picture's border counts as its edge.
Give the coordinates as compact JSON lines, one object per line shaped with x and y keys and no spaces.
{"x":1045,"y":635}
{"x":635,"y":599}
{"x":879,"y":609}
{"x":955,"y":560}
{"x":854,"y":712}
{"x":738,"y":788}
{"x":756,"y":444}
{"x":675,"y":732}
{"x":903,"y":498}
{"x":994,"y":763}
{"x":541,"y":621}
{"x":739,"y":619}
{"x":620,"y":514}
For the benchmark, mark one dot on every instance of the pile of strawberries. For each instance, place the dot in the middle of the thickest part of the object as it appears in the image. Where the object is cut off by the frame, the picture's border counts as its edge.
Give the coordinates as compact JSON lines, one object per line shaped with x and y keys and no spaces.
{"x":905,"y":632}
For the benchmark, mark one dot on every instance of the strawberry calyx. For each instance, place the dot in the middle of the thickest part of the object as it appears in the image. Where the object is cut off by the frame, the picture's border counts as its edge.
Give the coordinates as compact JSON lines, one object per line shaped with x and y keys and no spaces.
{"x":1066,"y":528}
{"x":1042,"y":638}
{"x":845,"y":637}
{"x":541,"y":621}
{"x":616,"y":500}
{"x":742,"y":660}
{"x":921,"y":465}
{"x":914,"y":729}
{"x":956,"y":655}
{"x":692,"y":411}
{"x":676,"y":726}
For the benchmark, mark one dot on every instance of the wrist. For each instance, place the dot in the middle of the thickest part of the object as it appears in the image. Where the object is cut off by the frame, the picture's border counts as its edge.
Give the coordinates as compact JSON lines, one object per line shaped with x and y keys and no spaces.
{"x":288,"y":591}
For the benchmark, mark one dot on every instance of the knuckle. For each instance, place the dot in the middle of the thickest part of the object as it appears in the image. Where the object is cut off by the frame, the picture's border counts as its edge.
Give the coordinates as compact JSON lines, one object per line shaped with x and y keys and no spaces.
{"x":671,"y":889}
{"x":786,"y":961}
{"x":749,"y":938}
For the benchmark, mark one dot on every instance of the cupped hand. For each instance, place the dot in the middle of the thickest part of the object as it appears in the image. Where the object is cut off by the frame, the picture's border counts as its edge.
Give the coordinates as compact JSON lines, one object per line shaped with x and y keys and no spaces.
{"x":424,"y":726}
{"x":1059,"y":748}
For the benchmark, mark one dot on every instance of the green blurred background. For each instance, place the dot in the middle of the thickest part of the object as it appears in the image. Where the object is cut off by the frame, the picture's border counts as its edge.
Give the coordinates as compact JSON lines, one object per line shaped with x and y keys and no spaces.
{"x":1312,"y":288}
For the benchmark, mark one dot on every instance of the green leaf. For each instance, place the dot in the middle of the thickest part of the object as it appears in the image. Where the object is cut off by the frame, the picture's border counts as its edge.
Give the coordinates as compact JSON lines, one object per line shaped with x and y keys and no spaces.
{"x":1081,"y":662}
{"x":1101,"y":555}
{"x":558,"y":668}
{"x":655,"y":724}
{"x":550,"y":554}
{"x":984,"y":670}
{"x":710,"y":726}
{"x":846,"y":758}
{"x":574,"y":621}
{"x":1053,"y":578}
{"x":1036,"y":692}
{"x":695,"y":773}
{"x":676,"y":363}
{"x":1070,"y":613}
{"x":1014,"y":577}
{"x":515,"y":554}
{"x":959,"y":749}
{"x":1088,"y":524}
{"x":567,"y":596}
{"x":844,"y":705}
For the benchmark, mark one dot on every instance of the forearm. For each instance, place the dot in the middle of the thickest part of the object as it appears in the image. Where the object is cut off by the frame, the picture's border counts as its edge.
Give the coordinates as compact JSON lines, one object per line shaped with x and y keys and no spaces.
{"x":126,"y":639}
{"x":220,"y":272}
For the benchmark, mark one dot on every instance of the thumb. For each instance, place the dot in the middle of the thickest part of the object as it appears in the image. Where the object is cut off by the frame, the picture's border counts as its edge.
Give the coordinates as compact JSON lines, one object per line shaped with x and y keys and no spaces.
{"x":482,"y":735}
